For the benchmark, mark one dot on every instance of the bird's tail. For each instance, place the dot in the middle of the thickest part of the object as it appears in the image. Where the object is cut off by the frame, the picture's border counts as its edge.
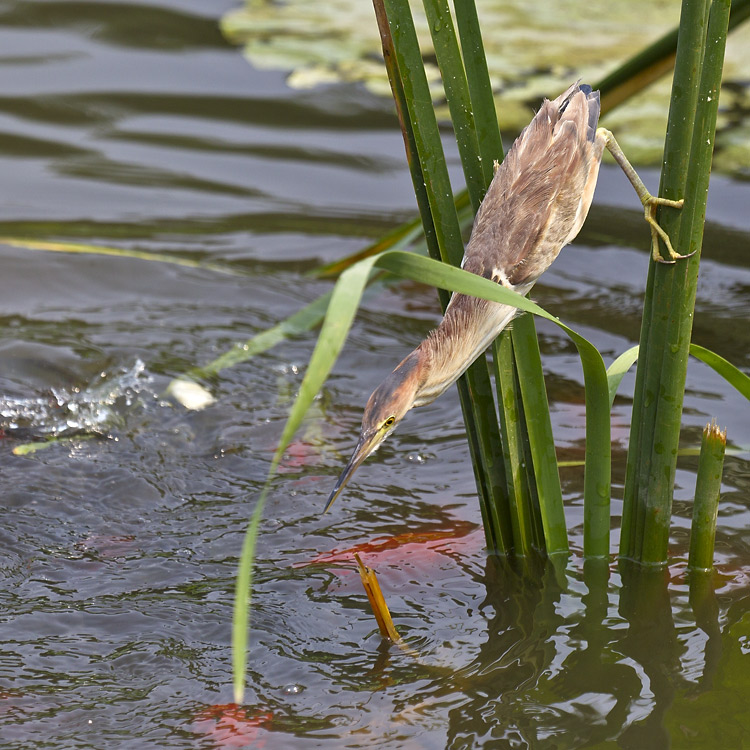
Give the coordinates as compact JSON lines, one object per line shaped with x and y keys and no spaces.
{"x":592,"y":104}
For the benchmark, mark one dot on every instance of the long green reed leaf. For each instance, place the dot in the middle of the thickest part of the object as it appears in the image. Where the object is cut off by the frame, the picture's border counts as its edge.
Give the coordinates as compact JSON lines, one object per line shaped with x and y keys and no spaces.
{"x":733,"y":375}
{"x":526,"y":531}
{"x":243,"y":589}
{"x":115,"y":252}
{"x":341,"y":310}
{"x":617,"y":370}
{"x":598,"y":447}
{"x":522,"y":352}
{"x":342,"y":307}
{"x":723,"y":367}
{"x":480,"y":88}
{"x":525,"y":343}
{"x":478,"y":173}
{"x":421,"y":120}
{"x":471,"y":413}
{"x":345,"y":299}
{"x":466,"y":95}
{"x":457,"y":94}
{"x":680,"y":300}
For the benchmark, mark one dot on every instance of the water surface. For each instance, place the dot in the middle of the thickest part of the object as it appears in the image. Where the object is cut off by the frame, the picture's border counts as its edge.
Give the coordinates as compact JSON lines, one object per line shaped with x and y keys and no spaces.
{"x":138,"y":126}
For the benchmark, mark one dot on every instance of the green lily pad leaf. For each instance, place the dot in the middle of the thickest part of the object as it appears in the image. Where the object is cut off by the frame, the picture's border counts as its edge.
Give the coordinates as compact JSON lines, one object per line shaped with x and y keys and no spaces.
{"x":530,"y":53}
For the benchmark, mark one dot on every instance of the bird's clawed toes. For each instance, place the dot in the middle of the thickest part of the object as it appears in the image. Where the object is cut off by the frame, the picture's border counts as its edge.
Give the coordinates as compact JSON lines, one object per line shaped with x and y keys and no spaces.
{"x":650,"y":205}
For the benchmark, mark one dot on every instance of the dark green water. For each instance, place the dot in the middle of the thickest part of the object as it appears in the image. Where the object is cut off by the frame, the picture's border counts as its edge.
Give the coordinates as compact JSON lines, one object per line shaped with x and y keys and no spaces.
{"x":139,"y":126}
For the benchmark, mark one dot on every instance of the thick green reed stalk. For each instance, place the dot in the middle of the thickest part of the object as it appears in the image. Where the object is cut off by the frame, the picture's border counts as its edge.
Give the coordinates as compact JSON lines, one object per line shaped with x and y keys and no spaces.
{"x":670,"y":293}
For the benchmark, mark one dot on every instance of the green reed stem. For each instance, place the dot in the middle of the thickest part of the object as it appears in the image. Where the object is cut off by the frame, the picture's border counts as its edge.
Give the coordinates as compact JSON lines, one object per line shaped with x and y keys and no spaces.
{"x":527,"y":527}
{"x":541,"y":440}
{"x":435,"y":198}
{"x":468,"y":91}
{"x":457,"y":95}
{"x":473,"y":112}
{"x":706,"y":503}
{"x":433,"y":248}
{"x":679,"y":132}
{"x":480,"y":89}
{"x":670,"y":294}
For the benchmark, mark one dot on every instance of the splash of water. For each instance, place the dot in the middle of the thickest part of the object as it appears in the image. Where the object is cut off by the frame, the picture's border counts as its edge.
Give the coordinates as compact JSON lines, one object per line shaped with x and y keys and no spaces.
{"x":96,"y":407}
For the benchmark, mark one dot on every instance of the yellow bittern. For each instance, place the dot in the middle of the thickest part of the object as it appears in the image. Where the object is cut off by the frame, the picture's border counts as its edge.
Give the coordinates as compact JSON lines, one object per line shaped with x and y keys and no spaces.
{"x":536,"y":204}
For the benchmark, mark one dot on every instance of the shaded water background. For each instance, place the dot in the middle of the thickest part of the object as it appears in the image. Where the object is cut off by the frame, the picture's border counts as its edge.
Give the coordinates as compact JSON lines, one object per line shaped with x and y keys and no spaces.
{"x":139,"y":126}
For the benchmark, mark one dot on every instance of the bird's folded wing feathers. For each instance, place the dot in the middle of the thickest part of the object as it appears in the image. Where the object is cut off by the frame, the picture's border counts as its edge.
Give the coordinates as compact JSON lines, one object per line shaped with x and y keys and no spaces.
{"x":530,"y":208}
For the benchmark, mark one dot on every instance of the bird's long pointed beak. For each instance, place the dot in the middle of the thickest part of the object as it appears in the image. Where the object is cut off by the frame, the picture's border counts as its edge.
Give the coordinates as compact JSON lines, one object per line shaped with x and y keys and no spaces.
{"x":364,"y":448}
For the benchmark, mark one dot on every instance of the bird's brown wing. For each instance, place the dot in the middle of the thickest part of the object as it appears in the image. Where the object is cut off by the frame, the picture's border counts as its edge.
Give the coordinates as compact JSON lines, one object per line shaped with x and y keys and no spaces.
{"x":530,"y":208}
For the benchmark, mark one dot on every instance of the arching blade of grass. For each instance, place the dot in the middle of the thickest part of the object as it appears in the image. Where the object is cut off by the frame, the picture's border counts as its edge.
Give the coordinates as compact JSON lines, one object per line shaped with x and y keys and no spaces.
{"x":243,"y":589}
{"x":343,"y":305}
{"x":344,"y":301}
{"x":595,"y":376}
{"x":598,"y":447}
{"x":723,"y":367}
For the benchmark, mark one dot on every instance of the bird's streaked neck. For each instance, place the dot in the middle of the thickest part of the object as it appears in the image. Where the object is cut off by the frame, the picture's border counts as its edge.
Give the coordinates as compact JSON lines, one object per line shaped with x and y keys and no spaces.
{"x":467,"y":329}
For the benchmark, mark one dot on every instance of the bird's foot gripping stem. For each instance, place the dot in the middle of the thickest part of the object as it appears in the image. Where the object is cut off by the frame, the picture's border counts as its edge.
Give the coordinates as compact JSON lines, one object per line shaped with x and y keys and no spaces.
{"x":650,"y":202}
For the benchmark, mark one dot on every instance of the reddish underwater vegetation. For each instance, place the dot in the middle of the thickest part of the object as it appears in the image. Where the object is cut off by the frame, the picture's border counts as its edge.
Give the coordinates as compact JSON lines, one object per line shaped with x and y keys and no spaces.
{"x":422,"y":549}
{"x":231,"y":725}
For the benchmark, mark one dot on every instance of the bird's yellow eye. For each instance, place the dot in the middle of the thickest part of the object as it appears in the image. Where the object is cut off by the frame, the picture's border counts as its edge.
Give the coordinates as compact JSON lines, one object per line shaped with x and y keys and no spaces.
{"x":388,"y":422}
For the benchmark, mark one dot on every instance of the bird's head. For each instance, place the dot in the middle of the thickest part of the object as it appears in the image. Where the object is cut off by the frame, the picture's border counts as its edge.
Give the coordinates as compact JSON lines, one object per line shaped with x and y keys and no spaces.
{"x":385,"y":409}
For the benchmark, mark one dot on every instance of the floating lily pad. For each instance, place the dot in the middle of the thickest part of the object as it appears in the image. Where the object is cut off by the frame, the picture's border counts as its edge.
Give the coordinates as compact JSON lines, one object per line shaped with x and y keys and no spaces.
{"x":534,"y":49}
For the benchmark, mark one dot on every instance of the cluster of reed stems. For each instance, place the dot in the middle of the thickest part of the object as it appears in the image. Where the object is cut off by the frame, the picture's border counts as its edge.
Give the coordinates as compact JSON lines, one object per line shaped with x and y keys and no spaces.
{"x":513,"y":456}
